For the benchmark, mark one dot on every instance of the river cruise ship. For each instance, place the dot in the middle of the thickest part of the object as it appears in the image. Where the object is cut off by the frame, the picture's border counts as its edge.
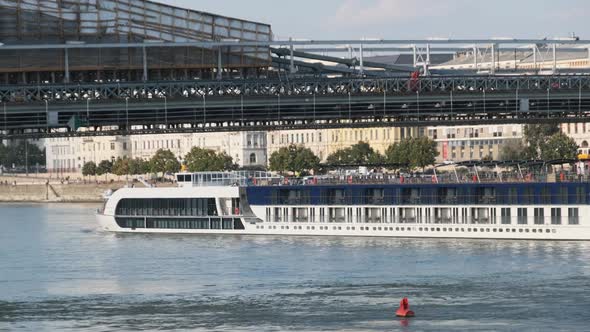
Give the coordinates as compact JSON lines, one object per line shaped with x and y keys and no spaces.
{"x":477,"y":205}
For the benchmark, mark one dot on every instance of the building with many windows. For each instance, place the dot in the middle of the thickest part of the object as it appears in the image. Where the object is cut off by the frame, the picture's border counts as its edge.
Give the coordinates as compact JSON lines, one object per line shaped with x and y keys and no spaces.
{"x":463,"y":143}
{"x":324,"y":142}
{"x":580,"y":132}
{"x":248,"y":149}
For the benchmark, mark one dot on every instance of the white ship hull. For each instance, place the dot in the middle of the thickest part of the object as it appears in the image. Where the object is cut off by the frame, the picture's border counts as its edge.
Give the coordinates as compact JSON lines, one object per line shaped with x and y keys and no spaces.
{"x":228,"y":210}
{"x":503,"y":232}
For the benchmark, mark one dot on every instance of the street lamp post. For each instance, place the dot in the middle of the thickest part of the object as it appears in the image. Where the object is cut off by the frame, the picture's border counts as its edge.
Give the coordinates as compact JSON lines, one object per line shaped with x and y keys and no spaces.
{"x":127,"y":113}
{"x":548,"y":98}
{"x":88,"y":110}
{"x":484,"y":100}
{"x":47,"y":115}
{"x":242,"y":107}
{"x":279,"y":107}
{"x":166,"y":111}
{"x":384,"y":101}
{"x":314,"y":110}
{"x":349,"y":107}
{"x":5,"y":120}
{"x":452,"y":106}
{"x":204,"y":111}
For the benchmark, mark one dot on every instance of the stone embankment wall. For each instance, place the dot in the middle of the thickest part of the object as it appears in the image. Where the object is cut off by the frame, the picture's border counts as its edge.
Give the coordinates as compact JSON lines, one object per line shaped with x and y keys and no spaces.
{"x":54,"y":192}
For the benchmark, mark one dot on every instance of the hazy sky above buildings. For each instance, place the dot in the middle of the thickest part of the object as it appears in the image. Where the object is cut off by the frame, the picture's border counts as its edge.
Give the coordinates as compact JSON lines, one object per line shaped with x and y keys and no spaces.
{"x":400,"y":19}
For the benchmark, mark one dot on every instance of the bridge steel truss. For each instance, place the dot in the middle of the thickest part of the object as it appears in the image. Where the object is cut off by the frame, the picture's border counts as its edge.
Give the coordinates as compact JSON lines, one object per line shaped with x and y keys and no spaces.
{"x":189,"y":106}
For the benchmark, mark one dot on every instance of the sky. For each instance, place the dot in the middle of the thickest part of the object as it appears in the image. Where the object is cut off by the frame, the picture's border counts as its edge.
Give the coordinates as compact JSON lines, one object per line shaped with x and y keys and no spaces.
{"x":403,"y":19}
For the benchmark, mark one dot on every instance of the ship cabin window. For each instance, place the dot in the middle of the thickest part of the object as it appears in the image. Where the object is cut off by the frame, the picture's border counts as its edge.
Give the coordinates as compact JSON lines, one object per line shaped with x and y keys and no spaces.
{"x":410,"y":196}
{"x":581,"y":195}
{"x":545,"y":195}
{"x":447,"y":196}
{"x":539,"y":216}
{"x":184,"y":178}
{"x":512,"y":197}
{"x":466,"y":196}
{"x":562,"y":198}
{"x":574,"y":216}
{"x":337,"y":197}
{"x":167,"y":207}
{"x":181,"y":224}
{"x":556,"y":216}
{"x":505,"y":216}
{"x":528,"y":196}
{"x":374,"y":196}
{"x":485,"y":195}
{"x":291,"y":197}
{"x":522,"y":216}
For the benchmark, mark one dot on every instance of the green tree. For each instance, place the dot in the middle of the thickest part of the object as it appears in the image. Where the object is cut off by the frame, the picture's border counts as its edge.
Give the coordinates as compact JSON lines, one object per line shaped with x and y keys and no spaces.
{"x":296,"y":159}
{"x":399,"y":153}
{"x":121,"y":166}
{"x":559,"y":146}
{"x":412,"y":152}
{"x":203,"y":160}
{"x":164,"y":162}
{"x":104,"y":167}
{"x":138,"y":166}
{"x":535,"y":136}
{"x":512,"y":150}
{"x":21,"y":154}
{"x":423,"y":152}
{"x":358,"y":154}
{"x":89,"y":169}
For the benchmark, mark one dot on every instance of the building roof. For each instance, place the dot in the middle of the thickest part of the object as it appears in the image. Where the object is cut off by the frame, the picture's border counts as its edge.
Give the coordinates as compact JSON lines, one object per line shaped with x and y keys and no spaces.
{"x":544,"y":55}
{"x":118,"y":20}
{"x":408,"y":59}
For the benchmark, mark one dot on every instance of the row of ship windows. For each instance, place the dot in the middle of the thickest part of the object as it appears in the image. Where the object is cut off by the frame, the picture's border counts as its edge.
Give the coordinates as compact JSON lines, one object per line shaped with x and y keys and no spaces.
{"x":425,"y":196}
{"x":423,"y":215}
{"x":200,"y":223}
{"x":420,"y":229}
{"x":166,"y":207}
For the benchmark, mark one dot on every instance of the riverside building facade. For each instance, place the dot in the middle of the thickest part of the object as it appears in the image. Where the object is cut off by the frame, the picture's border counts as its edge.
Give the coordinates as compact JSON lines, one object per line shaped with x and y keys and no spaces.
{"x":463,"y":143}
{"x":324,"y":142}
{"x":68,"y":155}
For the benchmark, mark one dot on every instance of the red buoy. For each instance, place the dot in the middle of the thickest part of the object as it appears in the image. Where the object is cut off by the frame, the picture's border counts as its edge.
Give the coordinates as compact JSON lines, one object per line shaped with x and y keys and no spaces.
{"x":404,"y":309}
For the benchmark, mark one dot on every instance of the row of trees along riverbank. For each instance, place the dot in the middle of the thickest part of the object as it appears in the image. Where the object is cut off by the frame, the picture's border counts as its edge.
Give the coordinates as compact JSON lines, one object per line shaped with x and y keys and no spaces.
{"x":163,"y":162}
{"x":412,"y":153}
{"x":22,"y":154}
{"x":544,"y":142}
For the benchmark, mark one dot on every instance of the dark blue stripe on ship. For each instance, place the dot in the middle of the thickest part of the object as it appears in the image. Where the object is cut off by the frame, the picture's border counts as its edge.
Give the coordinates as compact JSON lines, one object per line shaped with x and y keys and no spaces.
{"x":423,"y":194}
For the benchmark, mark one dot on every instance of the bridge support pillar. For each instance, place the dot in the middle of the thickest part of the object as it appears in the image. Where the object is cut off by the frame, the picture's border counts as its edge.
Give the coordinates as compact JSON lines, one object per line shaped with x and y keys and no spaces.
{"x":219,"y":67}
{"x":145,"y":66}
{"x":67,"y":66}
{"x":554,"y":47}
{"x":475,"y":64}
{"x":493,"y":66}
{"x":535,"y":57}
{"x":524,"y":105}
{"x":291,"y":59}
{"x":362,"y":60}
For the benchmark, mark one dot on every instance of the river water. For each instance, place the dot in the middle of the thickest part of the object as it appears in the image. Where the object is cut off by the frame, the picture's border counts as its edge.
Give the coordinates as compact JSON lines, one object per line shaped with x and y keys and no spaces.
{"x":58,"y":272}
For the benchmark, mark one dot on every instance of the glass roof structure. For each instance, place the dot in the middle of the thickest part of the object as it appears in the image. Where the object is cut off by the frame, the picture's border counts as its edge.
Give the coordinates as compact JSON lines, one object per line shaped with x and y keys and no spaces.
{"x":33,"y":22}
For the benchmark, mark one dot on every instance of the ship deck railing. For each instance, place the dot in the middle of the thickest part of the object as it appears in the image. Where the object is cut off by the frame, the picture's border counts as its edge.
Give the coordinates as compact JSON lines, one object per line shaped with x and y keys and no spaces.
{"x":383,"y":179}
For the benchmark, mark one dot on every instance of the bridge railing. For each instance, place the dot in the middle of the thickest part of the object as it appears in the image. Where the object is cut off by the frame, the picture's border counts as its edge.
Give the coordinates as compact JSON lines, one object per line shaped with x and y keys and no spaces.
{"x":197,"y":89}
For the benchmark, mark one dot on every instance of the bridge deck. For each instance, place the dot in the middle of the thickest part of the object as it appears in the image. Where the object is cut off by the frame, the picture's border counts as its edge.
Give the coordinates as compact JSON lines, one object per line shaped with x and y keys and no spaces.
{"x":179,"y":106}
